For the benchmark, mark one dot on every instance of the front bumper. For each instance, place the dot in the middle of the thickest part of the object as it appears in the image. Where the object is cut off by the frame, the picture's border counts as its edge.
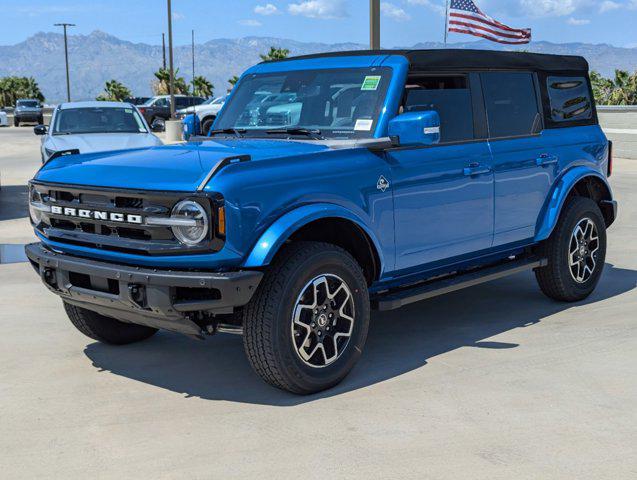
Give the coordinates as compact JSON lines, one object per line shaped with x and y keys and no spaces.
{"x":164,"y":299}
{"x":28,"y":116}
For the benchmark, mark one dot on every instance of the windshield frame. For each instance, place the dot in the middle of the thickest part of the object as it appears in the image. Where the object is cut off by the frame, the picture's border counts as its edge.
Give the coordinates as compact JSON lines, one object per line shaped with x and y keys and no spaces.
{"x":327,"y":132}
{"x":136,"y":115}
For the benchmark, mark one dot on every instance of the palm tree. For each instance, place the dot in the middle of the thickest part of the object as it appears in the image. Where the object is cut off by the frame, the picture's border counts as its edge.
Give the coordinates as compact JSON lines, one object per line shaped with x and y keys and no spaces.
{"x":114,"y":91}
{"x":233,"y":81}
{"x":620,"y":90}
{"x":161,"y":84}
{"x":14,"y":88}
{"x":202,"y":87}
{"x":275,"y":54}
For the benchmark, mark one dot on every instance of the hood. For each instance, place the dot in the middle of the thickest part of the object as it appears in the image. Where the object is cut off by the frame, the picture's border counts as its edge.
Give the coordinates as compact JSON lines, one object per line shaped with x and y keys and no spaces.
{"x":101,"y":142}
{"x":27,"y":109}
{"x":170,"y":168}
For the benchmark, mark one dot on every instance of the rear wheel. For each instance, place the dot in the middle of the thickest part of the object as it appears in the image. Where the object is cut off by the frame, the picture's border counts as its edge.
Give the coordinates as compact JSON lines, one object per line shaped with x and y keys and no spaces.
{"x":305,"y":327}
{"x":16,"y":122}
{"x":576,"y":252}
{"x":106,"y":329}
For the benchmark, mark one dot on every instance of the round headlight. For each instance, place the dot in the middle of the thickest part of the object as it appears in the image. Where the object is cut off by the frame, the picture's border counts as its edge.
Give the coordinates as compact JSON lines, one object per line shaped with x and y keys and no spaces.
{"x":198,"y":229}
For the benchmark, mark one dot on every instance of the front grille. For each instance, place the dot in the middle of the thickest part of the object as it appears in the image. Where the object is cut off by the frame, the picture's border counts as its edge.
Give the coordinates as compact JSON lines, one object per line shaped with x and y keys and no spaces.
{"x":120,"y":236}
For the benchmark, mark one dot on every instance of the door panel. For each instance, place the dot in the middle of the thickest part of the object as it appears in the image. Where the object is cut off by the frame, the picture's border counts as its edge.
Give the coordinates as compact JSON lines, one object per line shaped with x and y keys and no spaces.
{"x":525,"y":169}
{"x":443,"y":200}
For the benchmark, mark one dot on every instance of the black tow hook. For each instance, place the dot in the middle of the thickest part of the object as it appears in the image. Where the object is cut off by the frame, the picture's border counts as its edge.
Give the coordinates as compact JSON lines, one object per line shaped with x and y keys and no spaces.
{"x":49,"y":277}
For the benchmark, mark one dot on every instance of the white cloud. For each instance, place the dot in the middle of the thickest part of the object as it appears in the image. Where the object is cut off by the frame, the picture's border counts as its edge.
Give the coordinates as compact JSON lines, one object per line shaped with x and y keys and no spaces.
{"x":608,"y":5}
{"x":267,"y":9}
{"x":392,"y":11}
{"x":178,"y":16}
{"x":578,"y":21}
{"x":250,"y":23}
{"x":437,"y":6}
{"x":323,"y":9}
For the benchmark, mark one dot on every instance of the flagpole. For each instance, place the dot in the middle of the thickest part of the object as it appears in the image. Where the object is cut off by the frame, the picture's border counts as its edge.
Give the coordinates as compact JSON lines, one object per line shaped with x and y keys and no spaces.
{"x":446,"y":20}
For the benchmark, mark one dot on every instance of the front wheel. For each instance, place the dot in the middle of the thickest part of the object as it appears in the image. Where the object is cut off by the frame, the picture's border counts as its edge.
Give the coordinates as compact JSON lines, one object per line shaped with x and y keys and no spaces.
{"x":106,"y":329}
{"x":305,"y":327}
{"x":16,"y":122}
{"x":576,"y":252}
{"x":206,"y":125}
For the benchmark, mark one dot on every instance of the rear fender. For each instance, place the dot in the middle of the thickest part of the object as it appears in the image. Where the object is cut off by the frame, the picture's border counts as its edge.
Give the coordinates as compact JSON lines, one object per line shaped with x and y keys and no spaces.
{"x":276,"y":235}
{"x":560,"y":193}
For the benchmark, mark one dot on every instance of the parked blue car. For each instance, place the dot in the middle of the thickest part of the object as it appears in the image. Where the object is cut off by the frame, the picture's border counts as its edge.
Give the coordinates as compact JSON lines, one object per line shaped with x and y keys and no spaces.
{"x":331,"y":185}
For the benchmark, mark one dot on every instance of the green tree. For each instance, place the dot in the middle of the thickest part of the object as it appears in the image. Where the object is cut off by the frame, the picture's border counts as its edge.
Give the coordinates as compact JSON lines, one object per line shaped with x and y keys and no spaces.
{"x":275,"y":54}
{"x":620,"y":90}
{"x":161,"y":84}
{"x":114,"y":91}
{"x":14,"y":88}
{"x":202,"y":87}
{"x":233,"y":81}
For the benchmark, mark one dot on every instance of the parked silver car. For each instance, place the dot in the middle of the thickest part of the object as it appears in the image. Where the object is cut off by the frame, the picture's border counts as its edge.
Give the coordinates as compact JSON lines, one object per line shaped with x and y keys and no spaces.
{"x":85,"y":127}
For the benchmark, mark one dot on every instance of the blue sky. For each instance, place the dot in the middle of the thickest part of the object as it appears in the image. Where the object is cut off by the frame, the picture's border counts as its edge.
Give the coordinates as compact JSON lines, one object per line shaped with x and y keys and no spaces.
{"x":404,"y":22}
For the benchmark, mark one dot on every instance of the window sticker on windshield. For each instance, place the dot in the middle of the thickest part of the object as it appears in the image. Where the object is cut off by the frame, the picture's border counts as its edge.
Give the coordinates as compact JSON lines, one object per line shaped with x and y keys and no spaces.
{"x":128,"y":110}
{"x":371,"y":82}
{"x":363,"y":125}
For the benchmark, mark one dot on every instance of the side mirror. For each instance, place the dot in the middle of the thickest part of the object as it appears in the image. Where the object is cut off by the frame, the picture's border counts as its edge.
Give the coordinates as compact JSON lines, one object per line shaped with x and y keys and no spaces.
{"x":40,"y":130}
{"x":416,"y":128}
{"x":158,"y":126}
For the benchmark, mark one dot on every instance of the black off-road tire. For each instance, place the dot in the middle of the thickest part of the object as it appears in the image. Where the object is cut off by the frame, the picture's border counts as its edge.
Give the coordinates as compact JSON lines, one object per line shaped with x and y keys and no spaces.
{"x":41,"y":120}
{"x":106,"y":329}
{"x":206,"y":125}
{"x":16,"y":122}
{"x":268,"y":318}
{"x":555,"y":280}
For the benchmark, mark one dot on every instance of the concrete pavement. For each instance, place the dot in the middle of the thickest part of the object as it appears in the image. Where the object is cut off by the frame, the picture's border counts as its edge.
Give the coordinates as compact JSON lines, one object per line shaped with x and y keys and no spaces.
{"x":492,"y":382}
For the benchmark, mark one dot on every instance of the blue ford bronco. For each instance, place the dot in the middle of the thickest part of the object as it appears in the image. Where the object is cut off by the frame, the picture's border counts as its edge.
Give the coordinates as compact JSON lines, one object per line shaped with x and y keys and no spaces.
{"x":331,"y":185}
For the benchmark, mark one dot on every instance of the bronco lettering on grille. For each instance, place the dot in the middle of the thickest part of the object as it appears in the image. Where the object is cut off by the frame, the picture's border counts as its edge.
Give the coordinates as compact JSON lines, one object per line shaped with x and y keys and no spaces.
{"x":97,"y":214}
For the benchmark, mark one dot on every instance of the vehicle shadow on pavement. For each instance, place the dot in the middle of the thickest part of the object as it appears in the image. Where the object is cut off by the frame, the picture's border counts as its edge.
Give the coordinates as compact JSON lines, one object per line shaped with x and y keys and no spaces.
{"x":14,"y":202}
{"x":398,"y":342}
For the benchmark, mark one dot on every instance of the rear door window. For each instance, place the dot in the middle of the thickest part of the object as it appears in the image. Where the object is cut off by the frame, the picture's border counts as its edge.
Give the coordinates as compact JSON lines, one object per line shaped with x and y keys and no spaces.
{"x":511,"y":102}
{"x":570,"y":99}
{"x":450,"y":96}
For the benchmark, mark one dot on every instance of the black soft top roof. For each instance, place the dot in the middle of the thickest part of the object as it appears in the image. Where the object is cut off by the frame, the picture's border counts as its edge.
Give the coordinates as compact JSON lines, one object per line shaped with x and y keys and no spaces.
{"x":461,"y":59}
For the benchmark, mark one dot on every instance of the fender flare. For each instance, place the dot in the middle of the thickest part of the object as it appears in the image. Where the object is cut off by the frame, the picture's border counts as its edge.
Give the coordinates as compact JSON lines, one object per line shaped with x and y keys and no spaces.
{"x":277,"y":234}
{"x":560,"y":193}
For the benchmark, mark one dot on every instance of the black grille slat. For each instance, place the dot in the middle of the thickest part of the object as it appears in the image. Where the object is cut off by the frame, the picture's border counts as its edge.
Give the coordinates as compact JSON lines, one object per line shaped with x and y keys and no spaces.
{"x":126,"y":237}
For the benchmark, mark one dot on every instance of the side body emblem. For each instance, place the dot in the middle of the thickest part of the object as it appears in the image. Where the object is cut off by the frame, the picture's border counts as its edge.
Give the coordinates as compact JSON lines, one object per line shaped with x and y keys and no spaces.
{"x":382,"y":184}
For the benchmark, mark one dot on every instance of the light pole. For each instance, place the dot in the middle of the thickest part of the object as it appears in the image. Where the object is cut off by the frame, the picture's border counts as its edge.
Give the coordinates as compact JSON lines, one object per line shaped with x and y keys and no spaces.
{"x":66,"y":56}
{"x":170,"y":62}
{"x":193,"y":62}
{"x":374,"y":24}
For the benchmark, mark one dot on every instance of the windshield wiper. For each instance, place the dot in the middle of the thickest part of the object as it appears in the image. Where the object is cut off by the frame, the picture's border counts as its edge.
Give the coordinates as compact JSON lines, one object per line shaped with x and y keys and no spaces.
{"x":313,"y":133}
{"x":232,"y":131}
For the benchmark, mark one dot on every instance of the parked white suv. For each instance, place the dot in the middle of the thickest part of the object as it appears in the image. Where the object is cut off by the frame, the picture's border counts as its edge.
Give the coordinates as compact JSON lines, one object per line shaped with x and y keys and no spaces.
{"x":207,"y":112}
{"x":87,"y":127}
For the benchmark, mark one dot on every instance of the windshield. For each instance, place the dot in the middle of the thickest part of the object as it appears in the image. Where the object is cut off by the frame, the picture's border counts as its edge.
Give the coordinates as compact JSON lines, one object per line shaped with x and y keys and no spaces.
{"x":28,"y":103}
{"x":98,"y":120}
{"x":338,"y":103}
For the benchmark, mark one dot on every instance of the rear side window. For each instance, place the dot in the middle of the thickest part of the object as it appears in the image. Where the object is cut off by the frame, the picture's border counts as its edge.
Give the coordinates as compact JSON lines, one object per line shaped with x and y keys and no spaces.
{"x":450,"y":96}
{"x":511,"y":102}
{"x":570,"y":99}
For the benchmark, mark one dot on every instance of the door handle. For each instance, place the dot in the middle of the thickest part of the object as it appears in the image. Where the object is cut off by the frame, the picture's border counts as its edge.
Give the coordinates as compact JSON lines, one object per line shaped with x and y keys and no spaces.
{"x":476,"y":169}
{"x":546,"y":159}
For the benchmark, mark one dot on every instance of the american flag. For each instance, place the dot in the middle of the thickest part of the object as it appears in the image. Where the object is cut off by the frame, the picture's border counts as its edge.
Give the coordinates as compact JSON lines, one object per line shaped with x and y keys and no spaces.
{"x":466,"y":17}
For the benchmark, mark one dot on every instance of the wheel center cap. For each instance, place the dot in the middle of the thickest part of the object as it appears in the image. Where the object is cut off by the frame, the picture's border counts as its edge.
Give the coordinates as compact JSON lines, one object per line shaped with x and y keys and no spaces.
{"x":582,"y":250}
{"x":322,"y":320}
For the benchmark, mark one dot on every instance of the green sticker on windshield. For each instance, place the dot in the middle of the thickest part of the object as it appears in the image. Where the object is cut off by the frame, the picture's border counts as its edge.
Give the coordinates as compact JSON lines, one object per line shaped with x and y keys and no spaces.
{"x":371,"y":82}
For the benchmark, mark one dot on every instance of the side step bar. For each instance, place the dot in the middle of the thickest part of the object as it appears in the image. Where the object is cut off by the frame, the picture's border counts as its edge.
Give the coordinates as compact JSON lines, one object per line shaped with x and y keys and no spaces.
{"x":398,"y":298}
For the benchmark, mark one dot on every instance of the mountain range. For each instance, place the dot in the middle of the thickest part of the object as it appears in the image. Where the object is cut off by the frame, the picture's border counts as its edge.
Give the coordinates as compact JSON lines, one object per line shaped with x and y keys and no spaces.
{"x":98,"y":57}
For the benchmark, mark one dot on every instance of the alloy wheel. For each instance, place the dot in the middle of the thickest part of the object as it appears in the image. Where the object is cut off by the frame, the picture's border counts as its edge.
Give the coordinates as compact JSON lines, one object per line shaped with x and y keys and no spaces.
{"x":582,"y":251}
{"x":323,"y":320}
